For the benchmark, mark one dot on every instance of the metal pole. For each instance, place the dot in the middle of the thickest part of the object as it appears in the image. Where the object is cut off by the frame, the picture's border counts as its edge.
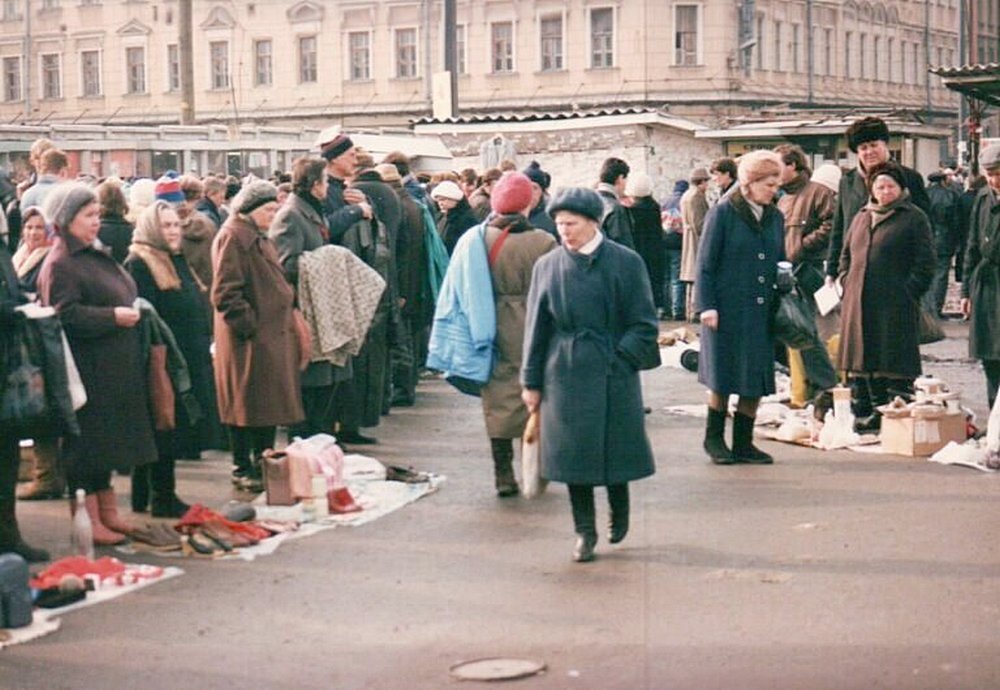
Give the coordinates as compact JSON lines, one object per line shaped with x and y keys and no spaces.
{"x":927,"y":53}
{"x":809,"y":47}
{"x":451,"y":53}
{"x":27,"y":59}
{"x":185,"y":46}
{"x":962,"y":48}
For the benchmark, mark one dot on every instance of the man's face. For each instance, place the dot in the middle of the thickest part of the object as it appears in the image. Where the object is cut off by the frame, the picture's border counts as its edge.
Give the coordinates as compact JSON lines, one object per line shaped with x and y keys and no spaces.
{"x":620,"y":184}
{"x":343,"y":166}
{"x":721,"y":179}
{"x":871,"y":153}
{"x":788,"y":172}
{"x":993,"y":177}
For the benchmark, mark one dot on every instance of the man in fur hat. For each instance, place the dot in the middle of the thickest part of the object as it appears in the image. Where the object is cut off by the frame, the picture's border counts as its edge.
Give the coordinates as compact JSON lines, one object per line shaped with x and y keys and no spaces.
{"x":869,"y":138}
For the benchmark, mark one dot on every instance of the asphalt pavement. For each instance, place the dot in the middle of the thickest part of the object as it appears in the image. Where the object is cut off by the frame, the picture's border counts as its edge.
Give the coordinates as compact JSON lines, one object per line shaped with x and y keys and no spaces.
{"x":825,"y":570}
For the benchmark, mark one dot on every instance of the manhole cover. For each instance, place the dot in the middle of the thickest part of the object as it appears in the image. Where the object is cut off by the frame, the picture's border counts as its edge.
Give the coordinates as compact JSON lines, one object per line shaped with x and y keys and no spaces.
{"x":496,"y":668}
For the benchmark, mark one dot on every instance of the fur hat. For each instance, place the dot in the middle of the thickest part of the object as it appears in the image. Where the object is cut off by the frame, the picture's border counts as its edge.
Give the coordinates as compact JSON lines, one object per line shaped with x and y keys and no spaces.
{"x":866,"y":129}
{"x":537,"y":175}
{"x":253,"y":196}
{"x":511,"y":193}
{"x":169,"y":189}
{"x":638,"y":184}
{"x":447,"y":190}
{"x":578,"y":200}
{"x":65,"y":200}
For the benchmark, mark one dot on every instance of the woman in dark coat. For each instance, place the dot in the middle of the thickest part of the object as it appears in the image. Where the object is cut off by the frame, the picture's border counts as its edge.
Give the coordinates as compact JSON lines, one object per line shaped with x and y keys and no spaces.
{"x":164,"y":278}
{"x":590,"y":328}
{"x":886,"y":266}
{"x":115,"y":232}
{"x":300,"y":227}
{"x":456,"y":214}
{"x":647,"y":230}
{"x":94,"y":297}
{"x":256,"y":350}
{"x":515,"y":247}
{"x":741,"y":245}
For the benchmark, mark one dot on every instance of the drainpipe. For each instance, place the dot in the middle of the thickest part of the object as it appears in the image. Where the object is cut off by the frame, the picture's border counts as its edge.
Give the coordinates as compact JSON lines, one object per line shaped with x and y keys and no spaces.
{"x":927,"y":53}
{"x":962,"y":48}
{"x":809,"y":48}
{"x":27,"y":60}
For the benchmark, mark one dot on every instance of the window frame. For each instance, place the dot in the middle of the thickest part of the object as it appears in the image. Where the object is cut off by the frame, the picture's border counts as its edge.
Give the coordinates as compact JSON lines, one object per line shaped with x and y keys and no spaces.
{"x":171,"y":65}
{"x":611,"y":52}
{"x":561,"y":53}
{"x":43,"y":91}
{"x":307,"y":74}
{"x":367,"y":52}
{"x":129,"y":91}
{"x":699,"y":33}
{"x":511,"y":57}
{"x":268,"y":73}
{"x":397,"y":49}
{"x":20,"y":77}
{"x":214,"y":75}
{"x":99,"y":75}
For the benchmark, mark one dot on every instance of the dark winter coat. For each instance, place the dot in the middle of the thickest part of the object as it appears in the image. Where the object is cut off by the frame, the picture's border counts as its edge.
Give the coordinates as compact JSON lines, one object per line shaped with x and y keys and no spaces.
{"x":340,"y":215}
{"x":411,"y":261}
{"x":199,"y":232}
{"x":852,"y":196}
{"x":503,"y":408}
{"x":885,"y":270}
{"x":982,"y":285}
{"x":647,"y":231}
{"x":256,"y":351}
{"x":116,"y":233}
{"x":85,"y":284}
{"x":455,"y":222}
{"x":211,"y":211}
{"x":589,"y":329}
{"x":541,"y":219}
{"x":944,"y":218}
{"x":737,"y":267}
{"x":617,"y":223}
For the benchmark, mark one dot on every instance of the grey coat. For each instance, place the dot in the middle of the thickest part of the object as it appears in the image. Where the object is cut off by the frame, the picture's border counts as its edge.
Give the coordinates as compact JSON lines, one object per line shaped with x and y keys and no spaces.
{"x":590,"y":328}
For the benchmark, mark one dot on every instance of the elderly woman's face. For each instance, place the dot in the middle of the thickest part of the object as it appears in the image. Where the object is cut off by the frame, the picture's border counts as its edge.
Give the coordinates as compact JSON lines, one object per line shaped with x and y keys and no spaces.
{"x":763,"y":190}
{"x":86,"y":223}
{"x":885,"y":190}
{"x":263,"y":215}
{"x":34,"y":233}
{"x":170,"y":227}
{"x":574,"y":230}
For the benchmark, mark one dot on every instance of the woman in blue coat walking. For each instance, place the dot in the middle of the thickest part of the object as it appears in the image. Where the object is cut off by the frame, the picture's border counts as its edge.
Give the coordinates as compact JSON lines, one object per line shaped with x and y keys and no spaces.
{"x":741,"y":246}
{"x":590,"y":328}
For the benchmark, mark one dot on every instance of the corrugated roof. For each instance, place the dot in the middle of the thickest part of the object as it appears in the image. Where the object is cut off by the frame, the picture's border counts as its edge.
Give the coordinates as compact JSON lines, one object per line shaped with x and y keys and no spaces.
{"x":981,"y":82}
{"x":536,"y":116}
{"x":989,"y":68}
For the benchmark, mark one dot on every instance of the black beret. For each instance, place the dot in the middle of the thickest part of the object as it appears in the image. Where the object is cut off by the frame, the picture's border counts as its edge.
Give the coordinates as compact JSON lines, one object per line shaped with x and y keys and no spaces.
{"x":890,"y":168}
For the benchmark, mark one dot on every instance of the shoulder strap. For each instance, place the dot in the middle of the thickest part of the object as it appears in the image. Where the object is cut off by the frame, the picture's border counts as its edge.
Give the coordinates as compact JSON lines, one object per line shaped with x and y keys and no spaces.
{"x":497,"y":246}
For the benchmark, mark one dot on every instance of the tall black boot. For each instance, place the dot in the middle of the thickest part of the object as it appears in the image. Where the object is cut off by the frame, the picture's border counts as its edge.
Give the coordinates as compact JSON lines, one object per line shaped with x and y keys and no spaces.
{"x":618,"y":500}
{"x":10,"y":535}
{"x":715,"y":440}
{"x":140,"y":489}
{"x":581,"y":499}
{"x":743,"y":448}
{"x":165,"y":503}
{"x":503,"y":467}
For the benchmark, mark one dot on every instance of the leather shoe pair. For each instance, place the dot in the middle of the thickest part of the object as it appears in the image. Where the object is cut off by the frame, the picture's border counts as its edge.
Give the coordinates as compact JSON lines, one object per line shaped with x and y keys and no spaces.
{"x":156,"y":537}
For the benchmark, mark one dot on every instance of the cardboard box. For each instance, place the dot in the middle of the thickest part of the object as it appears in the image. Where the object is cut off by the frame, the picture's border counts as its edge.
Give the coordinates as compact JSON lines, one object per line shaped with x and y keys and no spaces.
{"x":921,"y":437}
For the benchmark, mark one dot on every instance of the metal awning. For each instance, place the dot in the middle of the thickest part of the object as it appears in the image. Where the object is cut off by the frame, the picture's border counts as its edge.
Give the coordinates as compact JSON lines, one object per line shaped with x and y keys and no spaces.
{"x":981,"y":82}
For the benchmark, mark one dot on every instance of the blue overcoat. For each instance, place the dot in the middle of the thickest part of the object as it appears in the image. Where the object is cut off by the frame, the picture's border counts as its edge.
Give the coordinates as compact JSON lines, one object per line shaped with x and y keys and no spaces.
{"x":737,"y":268}
{"x":590,"y":328}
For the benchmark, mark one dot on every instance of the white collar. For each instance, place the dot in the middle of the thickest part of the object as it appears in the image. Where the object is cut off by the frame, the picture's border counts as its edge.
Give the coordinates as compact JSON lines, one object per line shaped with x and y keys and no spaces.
{"x":592,"y":245}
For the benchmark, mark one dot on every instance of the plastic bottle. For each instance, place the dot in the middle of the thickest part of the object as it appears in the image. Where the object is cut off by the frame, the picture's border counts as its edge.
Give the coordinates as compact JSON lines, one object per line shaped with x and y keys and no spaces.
{"x":83,"y":532}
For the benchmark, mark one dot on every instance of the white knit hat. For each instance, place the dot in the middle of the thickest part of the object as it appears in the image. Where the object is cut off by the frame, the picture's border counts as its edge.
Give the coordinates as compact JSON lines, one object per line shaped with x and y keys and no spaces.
{"x":447,"y":190}
{"x":638,"y":184}
{"x":828,"y":175}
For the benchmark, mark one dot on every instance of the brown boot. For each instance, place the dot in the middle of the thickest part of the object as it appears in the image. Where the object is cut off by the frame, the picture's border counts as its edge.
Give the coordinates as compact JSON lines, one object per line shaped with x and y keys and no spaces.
{"x":108,"y":512}
{"x":49,"y":482}
{"x":102,"y":535}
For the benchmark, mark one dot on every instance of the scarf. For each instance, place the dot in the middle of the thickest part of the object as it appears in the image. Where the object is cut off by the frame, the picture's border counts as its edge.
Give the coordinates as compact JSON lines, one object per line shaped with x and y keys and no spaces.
{"x":880,"y":212}
{"x":160,"y":265}
{"x":317,"y":206}
{"x":25,"y":261}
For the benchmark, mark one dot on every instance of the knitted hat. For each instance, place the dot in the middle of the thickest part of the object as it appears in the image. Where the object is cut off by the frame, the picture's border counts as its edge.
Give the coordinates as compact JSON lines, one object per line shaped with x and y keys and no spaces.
{"x":169,"y":189}
{"x":828,"y":175}
{"x":866,"y":129}
{"x":699,"y":175}
{"x":388,"y":172}
{"x":511,"y":193}
{"x":332,"y":143}
{"x":989,"y":157}
{"x":537,"y":175}
{"x":447,"y":190}
{"x":253,"y":196}
{"x":890,"y":168}
{"x":65,"y":200}
{"x":638,"y":184}
{"x":578,"y":200}
{"x":32,"y":211}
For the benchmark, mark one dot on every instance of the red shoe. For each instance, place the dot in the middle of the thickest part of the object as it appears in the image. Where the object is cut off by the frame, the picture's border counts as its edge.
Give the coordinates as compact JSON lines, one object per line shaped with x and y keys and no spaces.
{"x":341,"y":501}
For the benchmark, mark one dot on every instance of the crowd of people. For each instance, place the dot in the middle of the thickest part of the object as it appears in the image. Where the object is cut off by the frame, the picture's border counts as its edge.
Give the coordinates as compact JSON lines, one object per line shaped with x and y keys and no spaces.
{"x":538,"y":301}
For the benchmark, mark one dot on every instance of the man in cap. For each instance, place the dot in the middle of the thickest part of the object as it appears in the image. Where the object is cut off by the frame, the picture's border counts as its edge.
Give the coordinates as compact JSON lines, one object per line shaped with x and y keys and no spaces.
{"x":981,"y":289}
{"x":869,"y":138}
{"x":344,"y":207}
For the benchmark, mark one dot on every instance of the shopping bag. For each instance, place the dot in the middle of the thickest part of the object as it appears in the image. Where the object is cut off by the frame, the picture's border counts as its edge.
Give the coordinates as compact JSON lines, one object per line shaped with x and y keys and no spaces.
{"x":77,"y":392}
{"x":794,"y":323}
{"x":161,"y":390}
{"x":24,"y":402}
{"x":532,"y":484}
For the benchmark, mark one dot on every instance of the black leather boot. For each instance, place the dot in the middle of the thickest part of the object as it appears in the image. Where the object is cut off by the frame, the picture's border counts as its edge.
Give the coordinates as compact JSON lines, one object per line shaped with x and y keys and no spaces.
{"x":715,"y":440}
{"x":164,"y":503}
{"x":10,"y":535}
{"x":503,"y":467}
{"x":140,"y":489}
{"x":744,"y":450}
{"x":618,"y":500}
{"x":581,"y":499}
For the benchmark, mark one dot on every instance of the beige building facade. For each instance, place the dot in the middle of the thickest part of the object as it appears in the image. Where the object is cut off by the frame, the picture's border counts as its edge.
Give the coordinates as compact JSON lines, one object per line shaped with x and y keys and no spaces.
{"x":370,"y":63}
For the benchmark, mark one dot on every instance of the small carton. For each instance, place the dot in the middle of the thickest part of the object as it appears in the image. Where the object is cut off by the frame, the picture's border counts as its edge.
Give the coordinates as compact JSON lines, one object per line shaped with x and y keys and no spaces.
{"x":919,"y":437}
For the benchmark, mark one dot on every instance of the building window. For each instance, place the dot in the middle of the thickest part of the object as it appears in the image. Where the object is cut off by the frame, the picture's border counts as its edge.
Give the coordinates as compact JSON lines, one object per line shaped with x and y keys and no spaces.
{"x":776,"y":53}
{"x":406,"y":53}
{"x":12,"y":10}
{"x":135,"y":70}
{"x":794,"y":47}
{"x":360,"y":46}
{"x":12,"y":79}
{"x":51,"y":76}
{"x":602,"y":37}
{"x":848,"y":72}
{"x":90,"y":73}
{"x":173,"y":68}
{"x":502,"y":47}
{"x":460,"y":48}
{"x":551,"y":38}
{"x":308,"y":60}
{"x":877,"y":57}
{"x":863,"y":56}
{"x":262,"y":63}
{"x":218,"y":52}
{"x":904,"y":74}
{"x":686,"y":34}
{"x":759,"y":48}
{"x":890,"y":58}
{"x":916,"y":63}
{"x":828,"y":52}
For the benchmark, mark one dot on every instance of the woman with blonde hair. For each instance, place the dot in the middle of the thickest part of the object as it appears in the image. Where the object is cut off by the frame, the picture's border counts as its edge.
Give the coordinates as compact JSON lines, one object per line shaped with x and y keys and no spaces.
{"x":741,"y":245}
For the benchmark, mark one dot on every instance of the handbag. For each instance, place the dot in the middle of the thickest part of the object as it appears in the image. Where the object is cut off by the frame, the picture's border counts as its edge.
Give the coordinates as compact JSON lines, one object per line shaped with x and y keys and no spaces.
{"x":303,"y":335}
{"x":532,"y":483}
{"x":794,"y":324}
{"x":161,"y":390}
{"x":929,"y":329}
{"x":24,"y":402}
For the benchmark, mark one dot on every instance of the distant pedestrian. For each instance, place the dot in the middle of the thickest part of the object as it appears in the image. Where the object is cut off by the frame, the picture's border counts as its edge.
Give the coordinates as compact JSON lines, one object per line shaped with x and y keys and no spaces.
{"x":673,"y":299}
{"x":616,"y":223}
{"x":647,"y":230}
{"x":694,"y":209}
